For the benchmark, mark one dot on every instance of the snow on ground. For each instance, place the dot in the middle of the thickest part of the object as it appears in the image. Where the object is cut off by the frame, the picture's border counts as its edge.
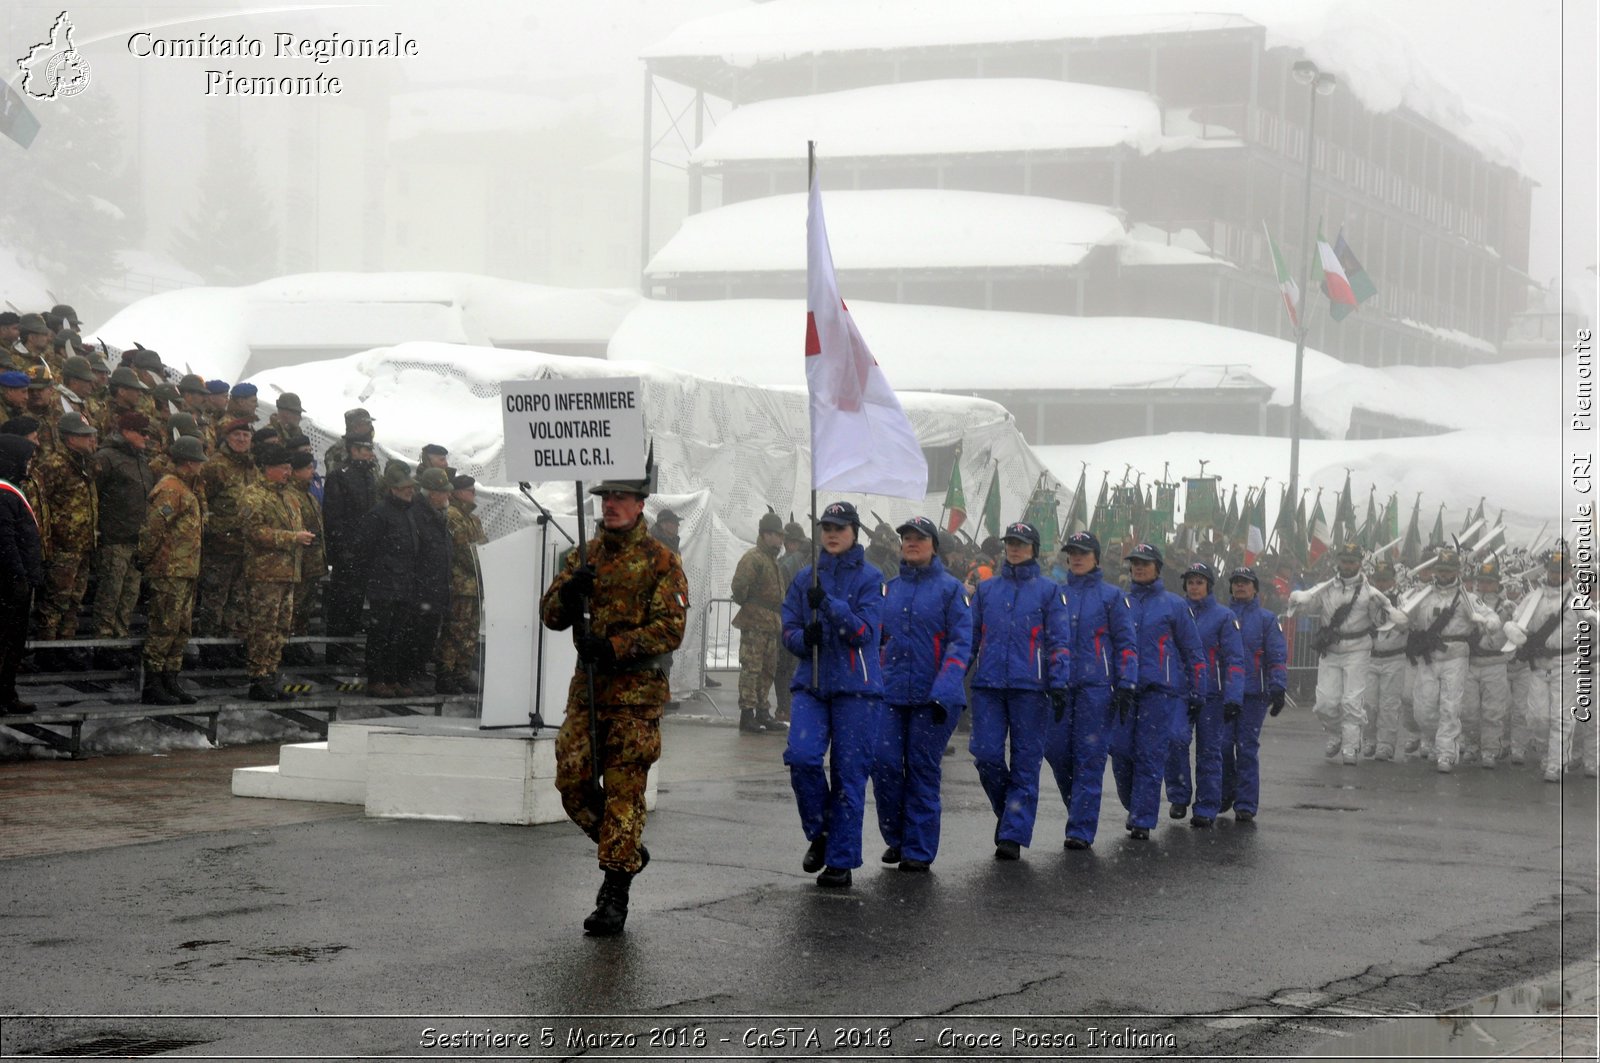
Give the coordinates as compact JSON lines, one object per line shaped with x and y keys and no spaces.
{"x":915,"y":228}
{"x":214,"y":329}
{"x":21,"y":288}
{"x":1521,"y":472}
{"x":973,"y":117}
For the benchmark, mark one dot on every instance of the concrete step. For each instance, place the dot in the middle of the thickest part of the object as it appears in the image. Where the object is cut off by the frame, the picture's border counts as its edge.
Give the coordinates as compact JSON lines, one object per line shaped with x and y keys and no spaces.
{"x":268,"y":782}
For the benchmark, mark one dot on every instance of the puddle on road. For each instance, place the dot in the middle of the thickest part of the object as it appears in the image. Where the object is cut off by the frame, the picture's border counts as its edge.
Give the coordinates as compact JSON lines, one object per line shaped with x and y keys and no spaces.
{"x":1551,"y":1017}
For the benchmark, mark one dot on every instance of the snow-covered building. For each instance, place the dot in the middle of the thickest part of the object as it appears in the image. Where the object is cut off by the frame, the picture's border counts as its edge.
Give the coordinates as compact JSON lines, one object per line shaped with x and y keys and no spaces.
{"x":1100,"y":162}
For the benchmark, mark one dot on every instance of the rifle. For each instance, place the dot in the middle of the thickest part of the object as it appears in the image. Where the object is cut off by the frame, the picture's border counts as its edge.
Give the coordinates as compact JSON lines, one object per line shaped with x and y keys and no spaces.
{"x":1533,"y":649}
{"x":1323,"y":641}
{"x":1424,"y":644}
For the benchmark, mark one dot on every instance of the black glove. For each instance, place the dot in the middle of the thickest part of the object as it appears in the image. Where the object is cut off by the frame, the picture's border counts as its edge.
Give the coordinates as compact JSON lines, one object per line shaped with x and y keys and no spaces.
{"x":938,"y":712}
{"x":1231,"y":710}
{"x":1122,"y":703}
{"x":1277,"y":703}
{"x":595,"y":649}
{"x":1058,"y":704}
{"x":579,"y":585}
{"x":815,"y":596}
{"x":1196,"y":703}
{"x":814,"y":633}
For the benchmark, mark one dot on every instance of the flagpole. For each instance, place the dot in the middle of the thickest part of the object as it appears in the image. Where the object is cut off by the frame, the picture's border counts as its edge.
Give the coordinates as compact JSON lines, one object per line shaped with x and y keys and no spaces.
{"x":816,"y":576}
{"x":1317,"y":82}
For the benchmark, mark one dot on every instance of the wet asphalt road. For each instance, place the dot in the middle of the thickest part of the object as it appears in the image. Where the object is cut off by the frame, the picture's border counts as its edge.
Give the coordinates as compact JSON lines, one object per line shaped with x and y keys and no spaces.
{"x":1375,"y":890}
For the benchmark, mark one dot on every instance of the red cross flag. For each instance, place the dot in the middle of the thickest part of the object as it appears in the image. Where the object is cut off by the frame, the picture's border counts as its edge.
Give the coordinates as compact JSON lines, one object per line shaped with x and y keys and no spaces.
{"x":861,"y":441}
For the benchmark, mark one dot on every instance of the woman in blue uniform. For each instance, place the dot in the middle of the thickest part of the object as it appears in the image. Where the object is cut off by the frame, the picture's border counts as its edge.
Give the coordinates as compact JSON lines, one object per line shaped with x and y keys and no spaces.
{"x":1024,"y":664}
{"x":927,"y":640}
{"x":831,"y":618}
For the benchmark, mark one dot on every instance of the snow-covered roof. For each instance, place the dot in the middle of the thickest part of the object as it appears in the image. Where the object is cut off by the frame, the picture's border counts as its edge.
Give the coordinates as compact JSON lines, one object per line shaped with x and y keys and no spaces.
{"x":1367,"y":51}
{"x":1519,"y":471}
{"x":947,"y":117}
{"x":938,"y":348}
{"x":913,"y":228}
{"x":214,"y":329}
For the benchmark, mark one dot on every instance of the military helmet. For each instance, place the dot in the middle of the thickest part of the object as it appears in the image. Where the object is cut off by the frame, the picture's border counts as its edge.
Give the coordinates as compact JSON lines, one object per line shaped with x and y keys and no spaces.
{"x":187,"y":448}
{"x":770,"y":522}
{"x":1348,"y":549}
{"x":1203,"y":570}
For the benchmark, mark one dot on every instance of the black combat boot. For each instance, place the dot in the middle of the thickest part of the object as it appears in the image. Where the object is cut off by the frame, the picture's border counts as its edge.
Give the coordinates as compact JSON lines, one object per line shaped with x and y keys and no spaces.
{"x":749,"y":724}
{"x":768,"y":724}
{"x":170,"y":681}
{"x":264,"y":689}
{"x":610,"y":906}
{"x":155,"y":690}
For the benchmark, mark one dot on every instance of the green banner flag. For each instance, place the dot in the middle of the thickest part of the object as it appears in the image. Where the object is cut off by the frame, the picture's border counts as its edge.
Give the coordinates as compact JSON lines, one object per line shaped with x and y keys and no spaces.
{"x":991,"y":505}
{"x":955,"y":499}
{"x":1078,"y":515}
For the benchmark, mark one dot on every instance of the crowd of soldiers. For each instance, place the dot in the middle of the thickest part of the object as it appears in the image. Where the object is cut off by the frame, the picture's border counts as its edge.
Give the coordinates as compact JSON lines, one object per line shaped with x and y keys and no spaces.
{"x":180,"y":494}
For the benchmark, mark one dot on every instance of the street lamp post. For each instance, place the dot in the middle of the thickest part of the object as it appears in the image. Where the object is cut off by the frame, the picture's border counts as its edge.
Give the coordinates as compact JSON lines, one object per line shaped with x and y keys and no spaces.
{"x":1321,"y":83}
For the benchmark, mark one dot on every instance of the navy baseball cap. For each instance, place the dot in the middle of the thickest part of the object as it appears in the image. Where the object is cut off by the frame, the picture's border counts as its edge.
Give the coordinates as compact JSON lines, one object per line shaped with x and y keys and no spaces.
{"x":1084,"y":541}
{"x":1021,"y":531}
{"x":923,"y":527}
{"x":1203,"y":570}
{"x":1144,"y":552}
{"x":1244,"y":574}
{"x":840,"y":513}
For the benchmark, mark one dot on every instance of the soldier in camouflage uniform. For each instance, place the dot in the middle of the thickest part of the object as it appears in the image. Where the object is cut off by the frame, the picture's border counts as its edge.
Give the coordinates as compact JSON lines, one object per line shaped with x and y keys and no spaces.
{"x":637,"y":599}
{"x":67,"y":478}
{"x":758,"y":590}
{"x":274,"y":529}
{"x":216,"y":410}
{"x":458,"y":644}
{"x":169,"y":554}
{"x":357,"y":423}
{"x":222,"y":593}
{"x":13,"y":394}
{"x":243,"y":402}
{"x":796,"y":555}
{"x":77,"y":389}
{"x":44,"y":403}
{"x":33,"y":344}
{"x":125,"y":481}
{"x":314,"y":558}
{"x":288,"y":415}
{"x":127,"y":393}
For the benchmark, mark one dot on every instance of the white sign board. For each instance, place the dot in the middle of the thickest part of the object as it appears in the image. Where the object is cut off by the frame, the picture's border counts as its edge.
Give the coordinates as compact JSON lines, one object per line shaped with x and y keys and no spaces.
{"x":573,"y":429}
{"x":525,"y":666}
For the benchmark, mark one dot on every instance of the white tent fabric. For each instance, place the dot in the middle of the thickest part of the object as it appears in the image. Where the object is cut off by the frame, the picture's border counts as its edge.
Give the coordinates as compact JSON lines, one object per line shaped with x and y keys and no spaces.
{"x":725,"y":452}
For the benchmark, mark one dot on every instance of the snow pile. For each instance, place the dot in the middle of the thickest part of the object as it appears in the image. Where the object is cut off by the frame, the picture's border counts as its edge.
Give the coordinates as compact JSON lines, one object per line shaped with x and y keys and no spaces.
{"x":942,"y":117}
{"x":214,"y":330}
{"x":914,"y":228}
{"x":938,"y":348}
{"x":20,"y":287}
{"x":1357,"y":42}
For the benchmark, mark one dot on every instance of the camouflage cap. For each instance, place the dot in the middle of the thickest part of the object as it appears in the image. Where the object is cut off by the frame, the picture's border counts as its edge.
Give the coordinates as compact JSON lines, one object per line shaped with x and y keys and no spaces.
{"x":434,"y":480}
{"x":356,"y":416}
{"x":187,"y":448}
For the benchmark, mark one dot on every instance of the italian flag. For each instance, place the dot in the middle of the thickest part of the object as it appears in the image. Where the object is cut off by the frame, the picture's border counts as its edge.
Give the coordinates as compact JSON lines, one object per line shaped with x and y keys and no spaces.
{"x":1286,"y":284}
{"x":1333,"y":278}
{"x":955,"y":499}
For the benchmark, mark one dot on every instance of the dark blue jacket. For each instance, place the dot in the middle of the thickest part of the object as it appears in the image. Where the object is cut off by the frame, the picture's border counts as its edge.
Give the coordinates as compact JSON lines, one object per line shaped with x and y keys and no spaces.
{"x":847,"y":659}
{"x":1266,"y":655}
{"x":927,"y":637}
{"x":1219,"y":637}
{"x":1170,"y":657}
{"x":1105,"y":650}
{"x":1022,"y":634}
